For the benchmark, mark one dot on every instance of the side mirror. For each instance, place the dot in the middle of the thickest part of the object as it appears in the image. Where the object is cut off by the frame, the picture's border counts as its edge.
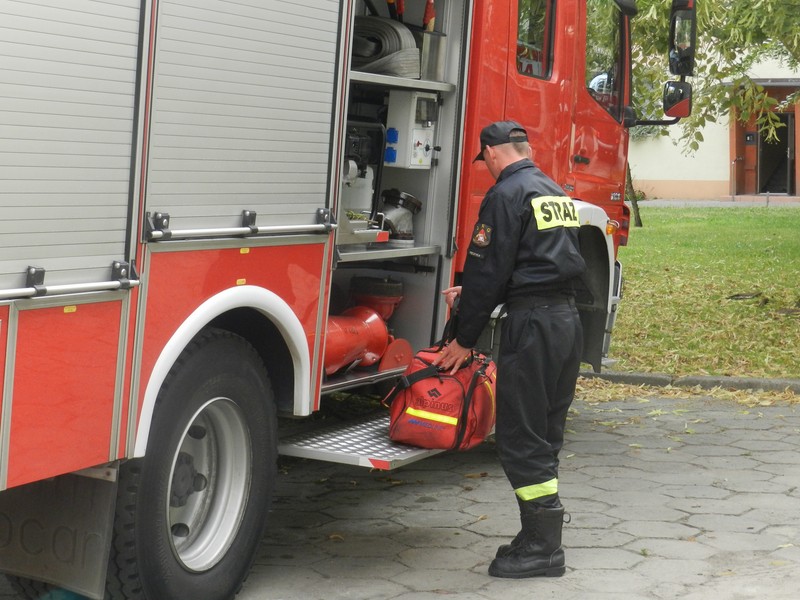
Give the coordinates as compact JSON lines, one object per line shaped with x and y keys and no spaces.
{"x":682,"y":37}
{"x":677,"y":99}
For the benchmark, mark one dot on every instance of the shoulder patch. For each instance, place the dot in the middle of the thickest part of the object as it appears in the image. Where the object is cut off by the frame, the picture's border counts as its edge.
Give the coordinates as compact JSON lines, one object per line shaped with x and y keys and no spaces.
{"x":482,"y":236}
{"x":554,"y":211}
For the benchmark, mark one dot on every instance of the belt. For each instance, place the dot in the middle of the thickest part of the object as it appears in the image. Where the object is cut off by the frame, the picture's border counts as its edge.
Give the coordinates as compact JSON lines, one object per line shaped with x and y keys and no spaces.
{"x":529,"y":302}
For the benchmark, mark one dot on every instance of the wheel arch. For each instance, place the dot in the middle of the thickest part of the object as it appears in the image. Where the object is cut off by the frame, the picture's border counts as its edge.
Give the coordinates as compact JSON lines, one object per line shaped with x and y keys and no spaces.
{"x":261,"y":317}
{"x":595,"y":297}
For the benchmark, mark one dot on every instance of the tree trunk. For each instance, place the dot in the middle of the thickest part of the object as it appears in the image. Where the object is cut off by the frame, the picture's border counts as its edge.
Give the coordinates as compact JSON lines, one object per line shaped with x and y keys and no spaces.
{"x":630,"y":194}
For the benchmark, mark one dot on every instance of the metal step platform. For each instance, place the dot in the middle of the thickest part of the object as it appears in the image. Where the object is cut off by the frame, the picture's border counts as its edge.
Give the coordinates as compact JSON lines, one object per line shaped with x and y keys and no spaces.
{"x":364,"y":443}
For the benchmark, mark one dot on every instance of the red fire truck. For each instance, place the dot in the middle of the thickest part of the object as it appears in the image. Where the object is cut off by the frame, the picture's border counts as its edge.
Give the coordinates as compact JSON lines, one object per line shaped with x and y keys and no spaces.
{"x":216,"y":214}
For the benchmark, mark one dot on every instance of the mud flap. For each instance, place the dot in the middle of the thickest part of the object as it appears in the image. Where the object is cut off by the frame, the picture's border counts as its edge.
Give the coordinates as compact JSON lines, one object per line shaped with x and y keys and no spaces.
{"x":59,"y":531}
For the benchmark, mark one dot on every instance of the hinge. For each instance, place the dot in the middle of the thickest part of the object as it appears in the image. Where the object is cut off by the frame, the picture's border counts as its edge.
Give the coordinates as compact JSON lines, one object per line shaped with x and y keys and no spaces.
{"x":325,"y":217}
{"x":249,"y":220}
{"x":158,"y":222}
{"x":123,"y":272}
{"x":34,"y":278}
{"x":453,"y":248}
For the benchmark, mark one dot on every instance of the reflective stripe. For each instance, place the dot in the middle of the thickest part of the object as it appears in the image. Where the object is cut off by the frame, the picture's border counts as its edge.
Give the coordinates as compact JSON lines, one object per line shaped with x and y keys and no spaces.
{"x":554,"y":211}
{"x":532,"y":492}
{"x":489,"y":389}
{"x":424,"y":414}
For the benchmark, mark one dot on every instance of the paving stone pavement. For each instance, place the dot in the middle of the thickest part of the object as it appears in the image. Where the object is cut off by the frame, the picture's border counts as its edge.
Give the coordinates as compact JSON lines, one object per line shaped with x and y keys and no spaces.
{"x":690,"y":499}
{"x":669,"y":498}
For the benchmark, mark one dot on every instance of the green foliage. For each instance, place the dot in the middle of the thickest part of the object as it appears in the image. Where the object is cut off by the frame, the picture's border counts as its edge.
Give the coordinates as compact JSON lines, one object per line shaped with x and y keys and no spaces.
{"x":733,"y":36}
{"x":711,"y":290}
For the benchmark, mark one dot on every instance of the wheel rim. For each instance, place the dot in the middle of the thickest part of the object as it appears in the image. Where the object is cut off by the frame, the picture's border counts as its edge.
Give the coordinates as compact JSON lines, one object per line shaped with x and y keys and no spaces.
{"x":209,"y":484}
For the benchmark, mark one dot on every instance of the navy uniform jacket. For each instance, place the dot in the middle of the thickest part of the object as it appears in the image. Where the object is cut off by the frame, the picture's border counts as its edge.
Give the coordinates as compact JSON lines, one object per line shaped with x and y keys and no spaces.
{"x":524,"y":243}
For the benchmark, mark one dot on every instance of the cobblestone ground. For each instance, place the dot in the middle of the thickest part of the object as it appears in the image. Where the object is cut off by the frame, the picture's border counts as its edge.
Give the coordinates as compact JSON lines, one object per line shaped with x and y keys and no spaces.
{"x":668,"y":499}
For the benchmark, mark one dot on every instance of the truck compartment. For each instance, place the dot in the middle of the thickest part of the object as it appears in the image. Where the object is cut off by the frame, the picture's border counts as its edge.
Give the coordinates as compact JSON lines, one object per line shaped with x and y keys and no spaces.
{"x":395,"y":201}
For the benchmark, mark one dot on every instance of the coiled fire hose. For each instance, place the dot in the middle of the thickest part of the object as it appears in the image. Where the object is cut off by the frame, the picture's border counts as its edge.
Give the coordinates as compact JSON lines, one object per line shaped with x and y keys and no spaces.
{"x":385,"y":47}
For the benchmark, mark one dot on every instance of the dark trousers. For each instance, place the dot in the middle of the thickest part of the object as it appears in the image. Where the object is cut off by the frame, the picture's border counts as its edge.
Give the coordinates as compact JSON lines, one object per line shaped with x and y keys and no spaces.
{"x":537,"y":367}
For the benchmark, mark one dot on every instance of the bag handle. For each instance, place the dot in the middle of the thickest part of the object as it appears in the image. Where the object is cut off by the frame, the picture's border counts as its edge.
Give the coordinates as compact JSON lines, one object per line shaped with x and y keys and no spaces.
{"x":406,"y":381}
{"x":449,"y":334}
{"x":450,"y":327}
{"x":473,"y":383}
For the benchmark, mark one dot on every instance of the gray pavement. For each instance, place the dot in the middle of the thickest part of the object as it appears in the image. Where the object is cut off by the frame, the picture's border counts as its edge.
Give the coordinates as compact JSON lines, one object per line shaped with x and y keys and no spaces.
{"x":669,"y":499}
{"x":690,"y":499}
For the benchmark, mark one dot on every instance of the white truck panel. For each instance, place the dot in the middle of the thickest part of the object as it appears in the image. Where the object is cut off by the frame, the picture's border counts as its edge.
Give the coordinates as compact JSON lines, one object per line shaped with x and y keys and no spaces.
{"x":242,"y":105}
{"x":68,"y":73}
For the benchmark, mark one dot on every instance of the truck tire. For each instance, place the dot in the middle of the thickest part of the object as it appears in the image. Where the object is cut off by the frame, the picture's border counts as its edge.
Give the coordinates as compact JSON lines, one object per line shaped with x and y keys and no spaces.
{"x":36,"y":590}
{"x":191,"y":512}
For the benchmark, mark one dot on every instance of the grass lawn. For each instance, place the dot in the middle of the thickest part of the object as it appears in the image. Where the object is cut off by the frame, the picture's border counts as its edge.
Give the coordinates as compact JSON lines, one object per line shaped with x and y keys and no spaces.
{"x":711,"y":291}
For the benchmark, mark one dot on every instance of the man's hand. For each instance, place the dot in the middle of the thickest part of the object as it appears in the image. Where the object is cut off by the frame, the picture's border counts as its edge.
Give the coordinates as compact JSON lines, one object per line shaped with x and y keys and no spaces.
{"x":451,"y":357}
{"x":450,"y":295}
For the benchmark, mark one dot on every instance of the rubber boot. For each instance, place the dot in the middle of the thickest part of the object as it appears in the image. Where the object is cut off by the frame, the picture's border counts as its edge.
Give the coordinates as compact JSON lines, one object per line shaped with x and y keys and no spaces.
{"x":550,"y":502}
{"x":537,"y":550}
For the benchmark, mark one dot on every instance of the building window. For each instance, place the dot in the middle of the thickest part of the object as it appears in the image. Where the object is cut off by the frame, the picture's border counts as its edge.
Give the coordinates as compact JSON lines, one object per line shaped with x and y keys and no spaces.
{"x":535,"y":38}
{"x":604,"y":67}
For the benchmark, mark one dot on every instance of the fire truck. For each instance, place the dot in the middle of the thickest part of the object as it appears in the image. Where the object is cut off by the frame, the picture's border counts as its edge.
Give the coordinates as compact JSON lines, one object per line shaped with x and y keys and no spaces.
{"x":215,"y":215}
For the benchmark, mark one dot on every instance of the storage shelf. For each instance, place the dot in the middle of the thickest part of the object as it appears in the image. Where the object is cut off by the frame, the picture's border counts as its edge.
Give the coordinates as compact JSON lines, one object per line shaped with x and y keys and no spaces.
{"x":401,"y":82}
{"x":360,"y":377}
{"x":384,"y":253}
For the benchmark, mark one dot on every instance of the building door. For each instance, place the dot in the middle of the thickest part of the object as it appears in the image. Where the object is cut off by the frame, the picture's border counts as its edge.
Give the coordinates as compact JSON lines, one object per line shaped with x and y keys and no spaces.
{"x":776,"y":160}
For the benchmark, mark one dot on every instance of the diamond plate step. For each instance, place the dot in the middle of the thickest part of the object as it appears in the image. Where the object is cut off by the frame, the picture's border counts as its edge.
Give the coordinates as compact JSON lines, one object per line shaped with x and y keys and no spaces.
{"x":364,"y":443}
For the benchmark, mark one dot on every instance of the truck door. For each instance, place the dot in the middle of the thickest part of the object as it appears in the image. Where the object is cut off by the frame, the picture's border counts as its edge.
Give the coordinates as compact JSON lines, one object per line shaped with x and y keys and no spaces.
{"x":243,"y":112}
{"x":67,"y":130}
{"x":598,"y":143}
{"x":536,"y":90}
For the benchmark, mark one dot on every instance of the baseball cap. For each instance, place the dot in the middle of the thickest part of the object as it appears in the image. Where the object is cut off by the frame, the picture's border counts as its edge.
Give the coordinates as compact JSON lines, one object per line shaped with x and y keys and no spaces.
{"x":501,"y":132}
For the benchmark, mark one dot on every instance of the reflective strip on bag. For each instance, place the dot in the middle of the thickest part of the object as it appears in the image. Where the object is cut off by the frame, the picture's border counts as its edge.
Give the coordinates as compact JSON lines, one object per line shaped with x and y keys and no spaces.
{"x":490,"y":391}
{"x":424,"y":414}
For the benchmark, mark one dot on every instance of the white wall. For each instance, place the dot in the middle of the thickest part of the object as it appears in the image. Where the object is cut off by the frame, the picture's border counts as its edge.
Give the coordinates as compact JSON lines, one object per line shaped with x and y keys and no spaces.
{"x":661,"y":169}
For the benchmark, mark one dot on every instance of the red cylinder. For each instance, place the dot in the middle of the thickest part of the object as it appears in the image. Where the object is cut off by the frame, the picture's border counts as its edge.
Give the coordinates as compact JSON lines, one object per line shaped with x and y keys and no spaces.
{"x":358,"y":334}
{"x":383,"y":305}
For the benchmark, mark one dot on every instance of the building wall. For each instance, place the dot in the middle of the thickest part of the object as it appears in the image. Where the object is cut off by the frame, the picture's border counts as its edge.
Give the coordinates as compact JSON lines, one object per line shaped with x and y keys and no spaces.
{"x":662,"y":169}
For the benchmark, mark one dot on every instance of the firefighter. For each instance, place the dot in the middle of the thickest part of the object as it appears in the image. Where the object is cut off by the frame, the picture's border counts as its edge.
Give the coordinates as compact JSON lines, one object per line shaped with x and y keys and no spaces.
{"x":525,"y":252}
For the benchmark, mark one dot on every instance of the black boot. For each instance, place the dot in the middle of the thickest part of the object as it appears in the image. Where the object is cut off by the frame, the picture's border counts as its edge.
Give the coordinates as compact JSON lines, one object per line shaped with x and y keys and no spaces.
{"x":537,"y":548}
{"x":547,"y":502}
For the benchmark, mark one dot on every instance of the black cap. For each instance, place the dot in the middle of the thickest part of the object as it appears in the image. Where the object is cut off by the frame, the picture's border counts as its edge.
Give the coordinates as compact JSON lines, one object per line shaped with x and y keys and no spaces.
{"x":501,"y":132}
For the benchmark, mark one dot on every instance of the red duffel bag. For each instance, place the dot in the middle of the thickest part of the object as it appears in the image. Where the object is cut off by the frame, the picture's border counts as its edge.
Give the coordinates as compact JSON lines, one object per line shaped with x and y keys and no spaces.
{"x":433,"y":409}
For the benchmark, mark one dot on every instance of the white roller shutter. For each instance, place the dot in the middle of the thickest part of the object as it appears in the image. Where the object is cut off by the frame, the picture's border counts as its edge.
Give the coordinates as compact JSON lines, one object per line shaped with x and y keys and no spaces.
{"x":242,"y":111}
{"x":67,"y":85}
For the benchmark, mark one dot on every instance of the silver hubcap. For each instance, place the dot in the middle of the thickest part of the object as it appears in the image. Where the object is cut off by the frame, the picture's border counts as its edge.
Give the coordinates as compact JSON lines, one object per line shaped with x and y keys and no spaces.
{"x":209,"y":484}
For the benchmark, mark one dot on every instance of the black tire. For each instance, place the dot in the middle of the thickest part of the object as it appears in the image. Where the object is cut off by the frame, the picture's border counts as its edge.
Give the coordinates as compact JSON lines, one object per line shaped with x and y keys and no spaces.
{"x":37,"y":590}
{"x":191,"y":513}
